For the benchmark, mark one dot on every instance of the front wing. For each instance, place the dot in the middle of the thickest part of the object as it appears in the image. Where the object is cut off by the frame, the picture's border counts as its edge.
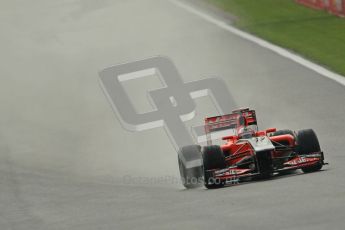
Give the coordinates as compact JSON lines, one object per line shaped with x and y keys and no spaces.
{"x":234,"y":173}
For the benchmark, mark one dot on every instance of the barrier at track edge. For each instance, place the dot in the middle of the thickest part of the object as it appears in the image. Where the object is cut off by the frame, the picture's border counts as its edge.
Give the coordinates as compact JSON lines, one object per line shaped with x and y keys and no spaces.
{"x":336,"y":7}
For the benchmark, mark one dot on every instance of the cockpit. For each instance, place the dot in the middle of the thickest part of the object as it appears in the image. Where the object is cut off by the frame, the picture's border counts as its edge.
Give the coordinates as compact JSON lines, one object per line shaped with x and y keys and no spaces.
{"x":246,"y":132}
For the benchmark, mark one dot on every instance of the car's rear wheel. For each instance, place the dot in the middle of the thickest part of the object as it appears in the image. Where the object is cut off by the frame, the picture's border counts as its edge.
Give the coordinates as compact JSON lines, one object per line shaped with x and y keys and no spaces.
{"x":308,"y":143}
{"x":213,"y":158}
{"x":190,"y":177}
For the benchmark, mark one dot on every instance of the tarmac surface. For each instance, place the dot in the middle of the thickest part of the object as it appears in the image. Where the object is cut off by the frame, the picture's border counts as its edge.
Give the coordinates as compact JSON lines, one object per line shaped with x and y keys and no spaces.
{"x":66,"y":162}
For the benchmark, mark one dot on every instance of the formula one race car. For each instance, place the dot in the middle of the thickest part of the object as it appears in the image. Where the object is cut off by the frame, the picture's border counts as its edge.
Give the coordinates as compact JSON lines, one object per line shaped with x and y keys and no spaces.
{"x":252,"y":154}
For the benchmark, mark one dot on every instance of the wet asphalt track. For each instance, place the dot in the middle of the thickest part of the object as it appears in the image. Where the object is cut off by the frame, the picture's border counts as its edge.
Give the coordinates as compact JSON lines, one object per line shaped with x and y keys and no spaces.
{"x":66,"y":163}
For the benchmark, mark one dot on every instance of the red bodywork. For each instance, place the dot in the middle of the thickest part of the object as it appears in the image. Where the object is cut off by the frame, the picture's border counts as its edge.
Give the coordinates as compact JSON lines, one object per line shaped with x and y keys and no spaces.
{"x":241,"y":156}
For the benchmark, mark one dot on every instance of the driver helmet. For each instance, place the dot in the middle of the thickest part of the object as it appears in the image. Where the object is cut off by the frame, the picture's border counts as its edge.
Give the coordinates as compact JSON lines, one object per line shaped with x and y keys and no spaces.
{"x":245,"y":133}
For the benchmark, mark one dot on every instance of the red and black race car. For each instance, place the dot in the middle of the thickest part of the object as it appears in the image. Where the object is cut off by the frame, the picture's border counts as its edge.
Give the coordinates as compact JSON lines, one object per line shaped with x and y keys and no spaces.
{"x":248,"y":153}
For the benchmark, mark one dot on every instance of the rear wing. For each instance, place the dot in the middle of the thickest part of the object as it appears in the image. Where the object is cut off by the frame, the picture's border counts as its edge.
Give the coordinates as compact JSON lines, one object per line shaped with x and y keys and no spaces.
{"x":217,"y":123}
{"x":241,"y":117}
{"x":230,"y":121}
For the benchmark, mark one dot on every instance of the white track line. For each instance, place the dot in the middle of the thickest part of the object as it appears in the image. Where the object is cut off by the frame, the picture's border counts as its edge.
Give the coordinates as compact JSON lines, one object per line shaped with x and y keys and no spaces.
{"x":283,"y":52}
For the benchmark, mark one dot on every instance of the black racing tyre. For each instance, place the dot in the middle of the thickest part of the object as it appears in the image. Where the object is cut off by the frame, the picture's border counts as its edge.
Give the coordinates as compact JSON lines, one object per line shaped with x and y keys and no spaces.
{"x":213,"y":158}
{"x":191,"y":178}
{"x":307,"y":143}
{"x":283,"y":132}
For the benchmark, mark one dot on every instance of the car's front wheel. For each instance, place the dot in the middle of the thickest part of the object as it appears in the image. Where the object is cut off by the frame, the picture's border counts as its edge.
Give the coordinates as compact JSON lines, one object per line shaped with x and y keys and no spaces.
{"x":213,"y":158}
{"x":308,"y":143}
